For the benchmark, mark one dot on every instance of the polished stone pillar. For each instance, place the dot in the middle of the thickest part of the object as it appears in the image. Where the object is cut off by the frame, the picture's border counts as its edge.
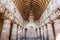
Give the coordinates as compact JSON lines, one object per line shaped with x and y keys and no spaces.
{"x":36,"y":30}
{"x":47,"y":35}
{"x":19,"y":32}
{"x":23,"y":34}
{"x":50,"y":31}
{"x":6,"y":30}
{"x":44,"y":33}
{"x":1,"y":26}
{"x":53,"y":29}
{"x":14,"y":32}
{"x":57,"y":26}
{"x":10,"y":31}
{"x":41,"y":33}
{"x":38,"y":35}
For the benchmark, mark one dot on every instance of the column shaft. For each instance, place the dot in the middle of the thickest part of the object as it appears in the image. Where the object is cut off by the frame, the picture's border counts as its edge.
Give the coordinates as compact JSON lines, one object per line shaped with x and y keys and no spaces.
{"x":47,"y":38}
{"x":14,"y":32}
{"x":38,"y":35}
{"x":23,"y":34}
{"x":5,"y":30}
{"x":19,"y":32}
{"x":1,"y":26}
{"x":40,"y":32}
{"x":50,"y":32}
{"x":53,"y":28}
{"x":10,"y":31}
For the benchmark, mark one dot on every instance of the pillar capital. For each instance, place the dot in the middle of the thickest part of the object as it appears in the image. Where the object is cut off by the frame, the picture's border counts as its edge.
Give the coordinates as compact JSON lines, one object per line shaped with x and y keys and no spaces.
{"x":2,"y":16}
{"x":14,"y":22}
{"x":58,"y":17}
{"x":6,"y":18}
{"x":51,"y":22}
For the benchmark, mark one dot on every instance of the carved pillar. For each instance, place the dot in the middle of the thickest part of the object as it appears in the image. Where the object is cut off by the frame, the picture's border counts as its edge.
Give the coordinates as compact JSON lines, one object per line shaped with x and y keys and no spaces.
{"x":23,"y":34}
{"x":6,"y":30}
{"x":40,"y":33}
{"x":10,"y":34}
{"x":47,"y":35}
{"x":36,"y":30}
{"x":14,"y":32}
{"x":43,"y":32}
{"x":57,"y":26}
{"x":53,"y":28}
{"x":1,"y":22}
{"x":19,"y":32}
{"x":51,"y":32}
{"x":1,"y":26}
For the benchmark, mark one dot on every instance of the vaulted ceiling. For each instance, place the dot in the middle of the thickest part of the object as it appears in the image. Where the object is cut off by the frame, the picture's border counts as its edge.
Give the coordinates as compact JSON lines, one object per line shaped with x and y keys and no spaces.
{"x":36,"y":6}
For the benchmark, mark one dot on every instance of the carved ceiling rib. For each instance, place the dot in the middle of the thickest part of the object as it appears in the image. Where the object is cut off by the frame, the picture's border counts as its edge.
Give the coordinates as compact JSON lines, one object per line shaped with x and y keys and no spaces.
{"x":37,"y":7}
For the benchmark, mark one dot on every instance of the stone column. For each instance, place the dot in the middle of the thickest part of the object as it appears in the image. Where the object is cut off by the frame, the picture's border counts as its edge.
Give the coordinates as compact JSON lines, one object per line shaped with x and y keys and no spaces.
{"x":36,"y":30}
{"x":38,"y":35}
{"x":40,"y":32}
{"x":57,"y":26}
{"x":43,"y":32}
{"x":50,"y":31}
{"x":23,"y":34}
{"x":53,"y":28}
{"x":14,"y":32}
{"x":47,"y":35}
{"x":5,"y":30}
{"x":10,"y":31}
{"x":19,"y":32}
{"x":1,"y":26}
